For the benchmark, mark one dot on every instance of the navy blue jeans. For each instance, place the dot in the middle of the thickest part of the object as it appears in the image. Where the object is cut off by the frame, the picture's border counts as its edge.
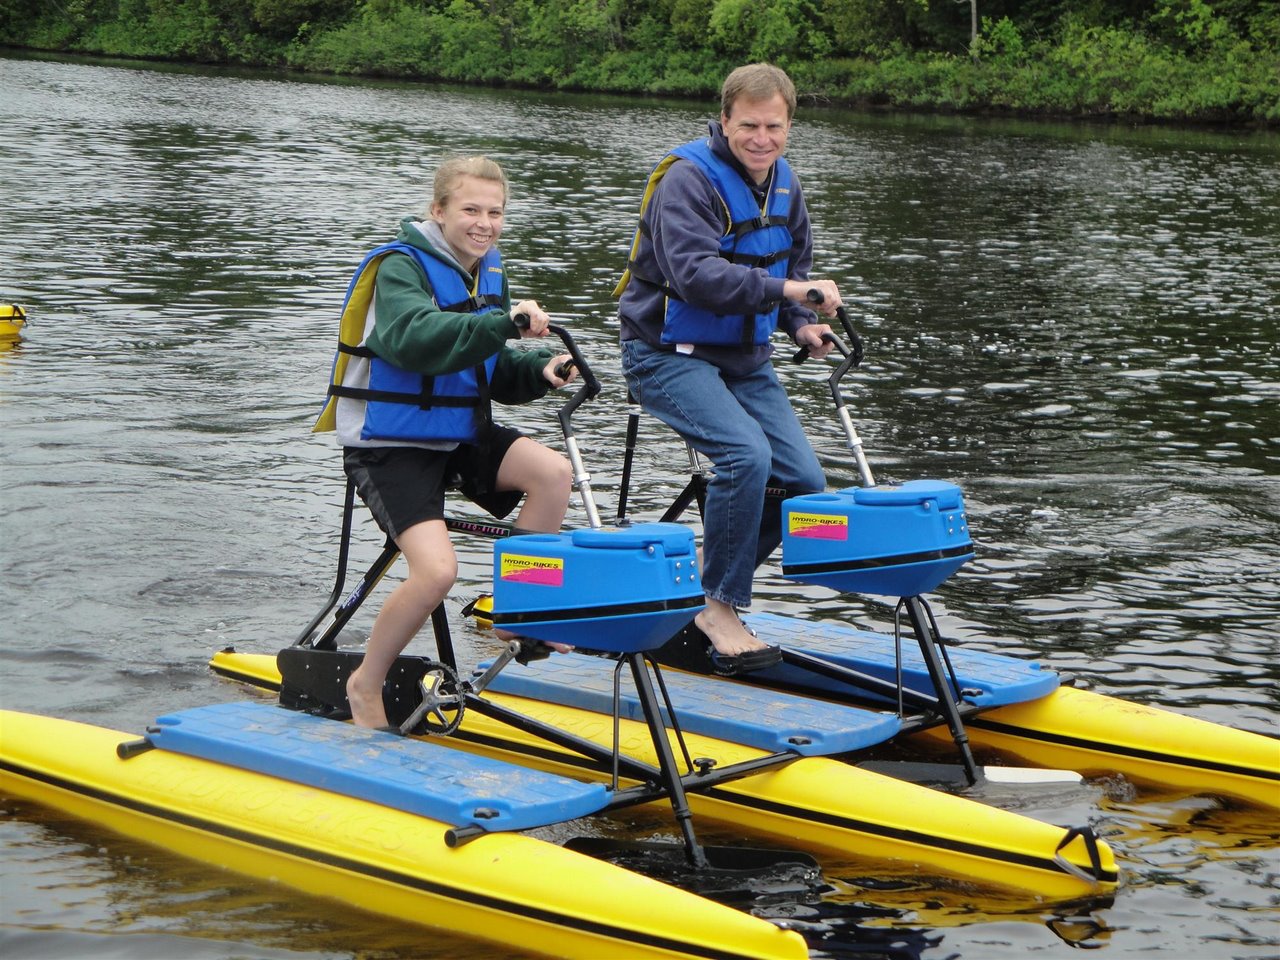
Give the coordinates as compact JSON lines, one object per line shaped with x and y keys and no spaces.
{"x":746,"y":428}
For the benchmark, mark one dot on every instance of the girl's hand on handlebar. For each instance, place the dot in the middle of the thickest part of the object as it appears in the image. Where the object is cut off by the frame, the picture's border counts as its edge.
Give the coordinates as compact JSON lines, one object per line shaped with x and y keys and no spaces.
{"x":560,"y":371}
{"x":813,"y":336}
{"x":534,"y":314}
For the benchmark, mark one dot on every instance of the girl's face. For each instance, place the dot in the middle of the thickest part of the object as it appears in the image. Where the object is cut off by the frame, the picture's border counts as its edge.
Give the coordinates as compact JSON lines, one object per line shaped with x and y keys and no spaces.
{"x":471,"y":217}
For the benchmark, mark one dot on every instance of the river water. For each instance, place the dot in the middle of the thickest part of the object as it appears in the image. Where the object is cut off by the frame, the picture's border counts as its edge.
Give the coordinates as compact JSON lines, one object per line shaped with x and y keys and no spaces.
{"x":1077,"y":324}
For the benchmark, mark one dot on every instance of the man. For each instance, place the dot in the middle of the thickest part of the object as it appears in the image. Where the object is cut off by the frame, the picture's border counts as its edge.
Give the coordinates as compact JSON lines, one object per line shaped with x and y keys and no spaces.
{"x":720,"y":260}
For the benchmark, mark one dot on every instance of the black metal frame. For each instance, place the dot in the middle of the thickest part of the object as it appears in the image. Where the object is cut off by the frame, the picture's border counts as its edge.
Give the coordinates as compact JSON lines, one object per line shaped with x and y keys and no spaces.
{"x":945,"y":705}
{"x":701,"y":775}
{"x":655,"y":783}
{"x":663,"y":781}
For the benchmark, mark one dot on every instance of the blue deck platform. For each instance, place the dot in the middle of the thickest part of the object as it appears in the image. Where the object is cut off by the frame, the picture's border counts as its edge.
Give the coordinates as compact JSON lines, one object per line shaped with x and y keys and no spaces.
{"x":766,"y":719}
{"x":417,"y":776}
{"x":987,"y":679}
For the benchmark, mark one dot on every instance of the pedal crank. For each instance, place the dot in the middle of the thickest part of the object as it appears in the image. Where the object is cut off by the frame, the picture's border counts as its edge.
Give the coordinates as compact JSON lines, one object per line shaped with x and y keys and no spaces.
{"x":442,"y":705}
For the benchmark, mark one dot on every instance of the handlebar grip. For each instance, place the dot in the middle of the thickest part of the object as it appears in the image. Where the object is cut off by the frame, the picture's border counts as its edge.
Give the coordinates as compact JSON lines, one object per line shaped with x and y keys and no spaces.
{"x":803,"y":353}
{"x":816,"y":296}
{"x":813,"y":296}
{"x":521,"y":320}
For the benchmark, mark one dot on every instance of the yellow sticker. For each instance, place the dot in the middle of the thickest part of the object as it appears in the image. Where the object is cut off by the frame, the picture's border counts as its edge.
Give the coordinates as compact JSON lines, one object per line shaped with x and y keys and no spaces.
{"x":543,"y":571}
{"x":818,"y":526}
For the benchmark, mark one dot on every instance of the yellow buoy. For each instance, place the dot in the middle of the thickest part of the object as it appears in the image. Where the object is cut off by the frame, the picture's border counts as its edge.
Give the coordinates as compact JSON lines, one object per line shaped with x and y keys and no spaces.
{"x":12,"y":319}
{"x":481,"y":610}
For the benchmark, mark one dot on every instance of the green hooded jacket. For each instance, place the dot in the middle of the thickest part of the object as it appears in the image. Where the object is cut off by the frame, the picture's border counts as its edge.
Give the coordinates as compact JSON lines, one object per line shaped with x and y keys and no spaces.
{"x":412,"y":333}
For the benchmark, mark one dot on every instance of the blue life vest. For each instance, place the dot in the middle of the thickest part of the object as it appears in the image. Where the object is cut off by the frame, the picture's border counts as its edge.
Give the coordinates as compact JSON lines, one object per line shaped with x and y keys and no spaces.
{"x":754,"y":236}
{"x":402,"y":404}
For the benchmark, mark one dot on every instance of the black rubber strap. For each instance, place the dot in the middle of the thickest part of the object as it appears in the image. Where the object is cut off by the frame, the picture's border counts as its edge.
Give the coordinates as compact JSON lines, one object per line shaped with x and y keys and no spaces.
{"x":473,"y":304}
{"x":423,"y":400}
{"x":758,"y":223}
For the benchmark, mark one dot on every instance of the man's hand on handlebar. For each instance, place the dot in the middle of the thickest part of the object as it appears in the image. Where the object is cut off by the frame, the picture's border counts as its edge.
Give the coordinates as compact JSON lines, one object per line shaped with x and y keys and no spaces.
{"x":814,"y":338}
{"x":820,"y":295}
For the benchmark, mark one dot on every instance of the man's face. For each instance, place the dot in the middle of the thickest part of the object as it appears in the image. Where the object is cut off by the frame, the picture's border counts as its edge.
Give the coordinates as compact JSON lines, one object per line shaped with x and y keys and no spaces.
{"x":757,"y":133}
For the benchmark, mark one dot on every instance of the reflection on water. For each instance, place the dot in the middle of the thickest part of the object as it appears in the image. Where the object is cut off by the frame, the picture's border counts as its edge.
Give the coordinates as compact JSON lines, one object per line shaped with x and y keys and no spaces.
{"x":1077,"y":324}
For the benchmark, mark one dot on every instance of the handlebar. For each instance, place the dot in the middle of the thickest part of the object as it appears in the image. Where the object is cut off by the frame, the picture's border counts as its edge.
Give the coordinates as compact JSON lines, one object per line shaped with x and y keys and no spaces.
{"x":590,"y":385}
{"x":852,"y":357}
{"x":589,"y":390}
{"x":815,"y":296}
{"x":563,"y":370}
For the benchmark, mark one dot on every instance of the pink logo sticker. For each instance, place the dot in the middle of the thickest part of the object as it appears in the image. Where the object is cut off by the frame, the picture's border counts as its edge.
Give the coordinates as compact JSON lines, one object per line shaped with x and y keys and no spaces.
{"x":541,"y":571}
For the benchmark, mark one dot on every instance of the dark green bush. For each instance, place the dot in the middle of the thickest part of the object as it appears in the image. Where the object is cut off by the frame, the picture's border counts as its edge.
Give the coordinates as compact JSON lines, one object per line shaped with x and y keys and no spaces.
{"x":1184,"y":60}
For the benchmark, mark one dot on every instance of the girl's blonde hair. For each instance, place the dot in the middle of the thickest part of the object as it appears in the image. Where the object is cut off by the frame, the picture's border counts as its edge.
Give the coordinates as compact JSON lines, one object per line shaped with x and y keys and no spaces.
{"x":453,"y":169}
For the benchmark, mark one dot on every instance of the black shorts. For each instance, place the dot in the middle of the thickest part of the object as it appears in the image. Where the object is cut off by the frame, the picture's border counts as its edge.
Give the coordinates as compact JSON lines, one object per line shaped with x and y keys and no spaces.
{"x":402,"y":486}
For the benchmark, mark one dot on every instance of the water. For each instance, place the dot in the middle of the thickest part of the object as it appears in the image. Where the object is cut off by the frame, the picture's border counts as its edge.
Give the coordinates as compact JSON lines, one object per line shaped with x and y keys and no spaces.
{"x":1076,"y":324}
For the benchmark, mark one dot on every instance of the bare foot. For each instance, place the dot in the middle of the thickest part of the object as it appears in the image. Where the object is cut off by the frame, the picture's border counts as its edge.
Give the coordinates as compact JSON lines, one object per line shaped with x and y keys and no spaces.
{"x":727,"y":634}
{"x":505,"y":635}
{"x":366,"y":704}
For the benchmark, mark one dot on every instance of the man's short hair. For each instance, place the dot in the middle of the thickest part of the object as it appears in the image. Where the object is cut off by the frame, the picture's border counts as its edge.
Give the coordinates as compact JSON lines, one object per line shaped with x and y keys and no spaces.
{"x":757,"y":81}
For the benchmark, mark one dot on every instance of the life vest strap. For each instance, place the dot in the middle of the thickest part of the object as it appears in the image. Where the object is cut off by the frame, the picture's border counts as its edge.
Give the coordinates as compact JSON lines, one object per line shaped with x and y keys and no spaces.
{"x":758,"y":223}
{"x":762,"y":260}
{"x":748,"y":320}
{"x":473,"y":304}
{"x":656,"y":284}
{"x":423,"y":400}
{"x":355,"y":351}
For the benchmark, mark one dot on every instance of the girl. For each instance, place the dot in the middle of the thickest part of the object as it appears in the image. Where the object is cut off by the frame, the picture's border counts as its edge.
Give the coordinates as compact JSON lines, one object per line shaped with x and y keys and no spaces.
{"x":422,"y":353}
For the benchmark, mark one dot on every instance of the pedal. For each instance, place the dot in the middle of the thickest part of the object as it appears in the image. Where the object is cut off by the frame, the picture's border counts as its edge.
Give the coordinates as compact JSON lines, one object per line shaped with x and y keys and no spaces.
{"x":532,"y":651}
{"x":442,"y":706}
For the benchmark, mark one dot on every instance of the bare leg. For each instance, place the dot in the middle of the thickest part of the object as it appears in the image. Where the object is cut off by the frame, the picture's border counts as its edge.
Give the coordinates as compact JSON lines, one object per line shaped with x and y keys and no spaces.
{"x":433,"y":567}
{"x":723,"y":628}
{"x":547,"y":479}
{"x":727,"y":634}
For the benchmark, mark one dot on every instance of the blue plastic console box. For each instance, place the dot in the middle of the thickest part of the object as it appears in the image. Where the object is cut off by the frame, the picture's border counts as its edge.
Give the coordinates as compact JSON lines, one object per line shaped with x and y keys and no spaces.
{"x":618,"y":590}
{"x":893,"y":541}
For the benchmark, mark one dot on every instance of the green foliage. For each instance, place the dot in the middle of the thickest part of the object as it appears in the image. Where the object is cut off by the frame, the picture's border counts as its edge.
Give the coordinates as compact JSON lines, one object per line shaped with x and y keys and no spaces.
{"x":1000,"y":40}
{"x":735,"y":25}
{"x":862,"y":27}
{"x":1164,"y":59}
{"x":781,"y":31}
{"x":189,"y":28}
{"x":690,"y":22}
{"x":1189,"y":24}
{"x":385,"y":42}
{"x":556,"y":39}
{"x":284,"y":19}
{"x":16,"y":16}
{"x":473,"y":45}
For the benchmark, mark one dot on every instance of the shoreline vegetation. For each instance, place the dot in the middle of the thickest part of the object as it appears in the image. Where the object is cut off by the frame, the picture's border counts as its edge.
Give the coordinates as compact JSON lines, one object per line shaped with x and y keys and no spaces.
{"x":1176,"y":61}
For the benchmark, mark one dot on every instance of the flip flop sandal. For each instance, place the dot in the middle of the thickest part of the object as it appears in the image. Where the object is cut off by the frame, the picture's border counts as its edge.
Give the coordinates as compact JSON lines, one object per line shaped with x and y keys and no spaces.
{"x":531,"y":650}
{"x":727,"y":665}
